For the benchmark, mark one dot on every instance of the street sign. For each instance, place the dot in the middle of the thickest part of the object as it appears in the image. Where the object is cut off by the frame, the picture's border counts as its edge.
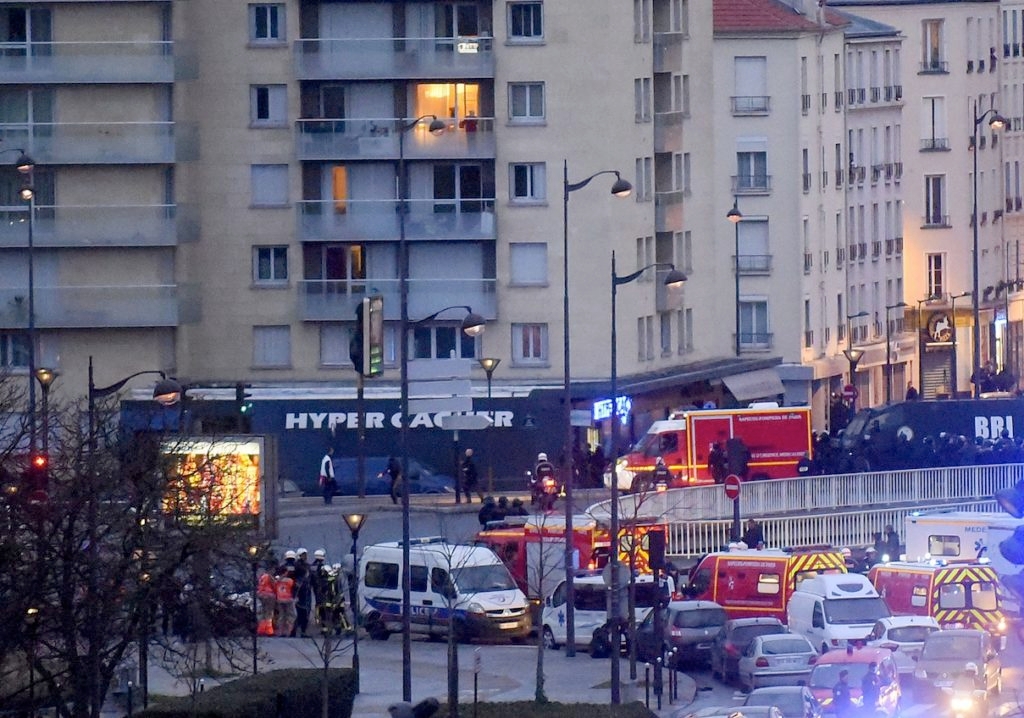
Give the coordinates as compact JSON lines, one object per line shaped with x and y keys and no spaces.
{"x":580,"y":417}
{"x":850,"y":391}
{"x":465,"y":422}
{"x":437,"y":405}
{"x":732,"y":487}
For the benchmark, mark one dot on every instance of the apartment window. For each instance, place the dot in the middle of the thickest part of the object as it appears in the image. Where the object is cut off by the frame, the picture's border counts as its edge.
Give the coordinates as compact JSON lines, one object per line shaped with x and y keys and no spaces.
{"x":684,"y":93}
{"x":641,"y":20}
{"x":936,"y":275}
{"x":665,"y":331}
{"x":525,"y":21}
{"x":753,"y":245}
{"x":270,"y":265}
{"x":687,"y":167}
{"x":642,"y":99}
{"x":644,"y":186}
{"x":268,"y":106}
{"x":935,"y":200}
{"x":442,"y":342}
{"x":933,"y":124}
{"x":269,"y":185}
{"x":527,"y":182}
{"x":529,"y":344}
{"x":751,"y":171}
{"x":528,"y":263}
{"x":931,"y":47}
{"x":684,"y":252}
{"x":751,"y":83}
{"x":526,"y":101}
{"x":754,"y":323}
{"x":645,"y":338}
{"x":13,"y":349}
{"x":271,"y":347}
{"x":266,"y":24}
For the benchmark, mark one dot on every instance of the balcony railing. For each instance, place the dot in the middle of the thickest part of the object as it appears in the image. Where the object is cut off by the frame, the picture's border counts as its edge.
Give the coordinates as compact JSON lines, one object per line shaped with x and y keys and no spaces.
{"x":890,"y":247}
{"x":876,"y":248}
{"x":897,"y":170}
{"x":91,"y":62}
{"x":756,"y":340}
{"x":876,"y":94}
{"x":751,"y":105}
{"x":378,"y":219}
{"x":899,"y":246}
{"x":934,"y":67}
{"x":754,"y":263}
{"x":935,"y":220}
{"x":808,"y":339}
{"x":335,"y":300}
{"x":806,"y":181}
{"x":840,"y":255}
{"x":808,"y":262}
{"x":929,"y":144}
{"x":668,"y":51}
{"x":80,"y":307}
{"x":394,"y":58}
{"x":93,"y":142}
{"x":805,"y":103}
{"x":377,"y":138}
{"x":751,"y":184}
{"x":862,"y":250}
{"x":839,"y":177}
{"x":838,"y":100}
{"x":668,"y":210}
{"x":841,"y":333}
{"x":98,"y":226}
{"x":668,"y":136}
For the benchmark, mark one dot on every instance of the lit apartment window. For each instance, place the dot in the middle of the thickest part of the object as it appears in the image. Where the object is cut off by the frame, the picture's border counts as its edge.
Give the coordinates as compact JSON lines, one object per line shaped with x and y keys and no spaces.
{"x":528,"y":263}
{"x":13,"y":349}
{"x":932,"y":59}
{"x":525,"y":21}
{"x":526,"y":101}
{"x":269,"y":185}
{"x":266,"y":23}
{"x":442,"y":342}
{"x":270,"y":265}
{"x":269,"y":105}
{"x":936,"y":275}
{"x":271,"y":347}
{"x":527,"y":182}
{"x":529,"y":344}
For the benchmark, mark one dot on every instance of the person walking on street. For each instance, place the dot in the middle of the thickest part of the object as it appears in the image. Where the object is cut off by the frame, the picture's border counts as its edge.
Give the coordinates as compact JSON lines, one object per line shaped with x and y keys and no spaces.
{"x":470,"y":478}
{"x":870,"y":687}
{"x":395,"y":474}
{"x":328,"y":484}
{"x":285,"y":587}
{"x":842,"y":701}
{"x":266,"y":592}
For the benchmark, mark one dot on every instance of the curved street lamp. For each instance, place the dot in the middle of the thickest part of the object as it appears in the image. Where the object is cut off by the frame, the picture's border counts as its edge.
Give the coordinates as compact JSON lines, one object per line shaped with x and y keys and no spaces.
{"x":620,"y":188}
{"x":674,"y":280}
{"x":995,"y":122}
{"x":489,"y":364}
{"x":735,"y":216}
{"x":355,"y":522}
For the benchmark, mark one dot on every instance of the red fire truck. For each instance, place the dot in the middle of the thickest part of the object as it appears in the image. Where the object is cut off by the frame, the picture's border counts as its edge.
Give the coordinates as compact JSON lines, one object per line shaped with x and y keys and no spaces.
{"x":772,"y":438}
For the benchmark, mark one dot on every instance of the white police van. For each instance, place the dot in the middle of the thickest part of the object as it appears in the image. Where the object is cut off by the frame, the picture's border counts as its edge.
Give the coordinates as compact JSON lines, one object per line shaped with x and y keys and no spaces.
{"x":467,"y":587}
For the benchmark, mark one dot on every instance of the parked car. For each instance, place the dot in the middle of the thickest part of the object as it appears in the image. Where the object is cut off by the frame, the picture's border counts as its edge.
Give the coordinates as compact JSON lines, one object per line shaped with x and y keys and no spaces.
{"x":782,"y":659}
{"x":904,"y":636}
{"x":945,"y":656}
{"x":689,"y":630}
{"x":731,"y":711}
{"x":734,"y":638}
{"x":856,"y":661}
{"x":423,"y":479}
{"x":590,"y":613}
{"x":793,"y":701}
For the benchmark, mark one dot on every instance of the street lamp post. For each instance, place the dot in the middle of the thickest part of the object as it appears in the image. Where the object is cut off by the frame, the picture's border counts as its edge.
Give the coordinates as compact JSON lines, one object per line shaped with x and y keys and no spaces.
{"x":489,"y":364}
{"x":995,"y":122}
{"x":254,"y":560}
{"x":354,"y":523}
{"x":674,"y":279}
{"x":954,"y":384}
{"x":32,"y":623}
{"x":735,"y":216}
{"x":472,"y":325}
{"x":46,"y":377}
{"x":853,"y":356}
{"x":888,"y":350}
{"x":436,"y":127}
{"x":620,"y":188}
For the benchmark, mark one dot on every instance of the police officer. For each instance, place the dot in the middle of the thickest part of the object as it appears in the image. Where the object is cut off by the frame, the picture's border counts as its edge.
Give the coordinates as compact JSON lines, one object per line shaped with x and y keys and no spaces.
{"x":541,"y":470}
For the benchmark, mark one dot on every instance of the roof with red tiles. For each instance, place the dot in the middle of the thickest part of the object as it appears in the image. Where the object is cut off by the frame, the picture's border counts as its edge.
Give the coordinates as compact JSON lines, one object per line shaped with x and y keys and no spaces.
{"x":753,"y":16}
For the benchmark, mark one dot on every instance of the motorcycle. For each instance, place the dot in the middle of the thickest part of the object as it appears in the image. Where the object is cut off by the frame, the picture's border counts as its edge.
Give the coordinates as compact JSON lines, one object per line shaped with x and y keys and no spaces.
{"x":543,"y":492}
{"x":967,"y":702}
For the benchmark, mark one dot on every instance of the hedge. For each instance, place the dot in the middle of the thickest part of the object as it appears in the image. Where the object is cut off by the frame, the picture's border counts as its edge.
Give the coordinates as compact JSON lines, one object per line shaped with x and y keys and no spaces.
{"x":289,"y":692}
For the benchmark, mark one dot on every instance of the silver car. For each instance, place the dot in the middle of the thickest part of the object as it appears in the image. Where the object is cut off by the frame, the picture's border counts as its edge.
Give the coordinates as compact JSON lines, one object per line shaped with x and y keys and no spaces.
{"x":783,"y":659}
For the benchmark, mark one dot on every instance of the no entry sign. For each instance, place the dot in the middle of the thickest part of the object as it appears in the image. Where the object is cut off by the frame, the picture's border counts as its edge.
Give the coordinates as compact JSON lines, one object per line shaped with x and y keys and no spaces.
{"x":732,"y":486}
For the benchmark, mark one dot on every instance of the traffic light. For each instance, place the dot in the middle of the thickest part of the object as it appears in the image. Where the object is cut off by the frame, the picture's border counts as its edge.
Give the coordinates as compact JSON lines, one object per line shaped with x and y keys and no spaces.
{"x":37,"y":478}
{"x":366,"y":348}
{"x":243,"y":405}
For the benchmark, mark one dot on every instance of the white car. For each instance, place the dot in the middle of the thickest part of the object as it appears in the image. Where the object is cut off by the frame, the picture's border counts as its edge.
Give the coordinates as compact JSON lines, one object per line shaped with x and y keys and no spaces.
{"x":590,"y":608}
{"x":904,"y":636}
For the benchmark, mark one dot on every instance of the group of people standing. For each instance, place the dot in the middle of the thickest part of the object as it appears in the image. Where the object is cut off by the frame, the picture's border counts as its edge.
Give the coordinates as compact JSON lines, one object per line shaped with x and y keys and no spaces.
{"x":293,"y":593}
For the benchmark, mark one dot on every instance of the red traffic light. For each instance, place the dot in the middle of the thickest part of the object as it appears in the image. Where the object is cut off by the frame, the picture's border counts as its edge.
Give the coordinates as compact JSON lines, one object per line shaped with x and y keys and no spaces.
{"x":40,"y":461}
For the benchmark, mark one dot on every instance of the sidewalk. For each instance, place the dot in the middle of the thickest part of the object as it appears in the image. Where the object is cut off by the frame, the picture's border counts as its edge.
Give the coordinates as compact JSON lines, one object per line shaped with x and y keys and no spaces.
{"x":507,"y":673}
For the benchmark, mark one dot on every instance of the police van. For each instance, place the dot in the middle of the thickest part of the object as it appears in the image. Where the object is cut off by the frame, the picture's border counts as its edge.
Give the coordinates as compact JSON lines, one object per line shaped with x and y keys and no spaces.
{"x":465,"y":587}
{"x":833,"y":609}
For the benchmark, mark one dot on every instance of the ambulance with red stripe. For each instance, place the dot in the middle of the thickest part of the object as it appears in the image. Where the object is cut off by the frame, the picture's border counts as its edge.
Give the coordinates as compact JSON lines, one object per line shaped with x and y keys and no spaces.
{"x":957,"y":595}
{"x":749,"y":583}
{"x":774,"y":437}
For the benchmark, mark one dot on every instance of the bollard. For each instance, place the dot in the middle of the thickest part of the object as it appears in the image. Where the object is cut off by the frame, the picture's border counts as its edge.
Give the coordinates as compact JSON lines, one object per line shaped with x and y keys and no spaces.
{"x":657,"y":681}
{"x":647,"y":686}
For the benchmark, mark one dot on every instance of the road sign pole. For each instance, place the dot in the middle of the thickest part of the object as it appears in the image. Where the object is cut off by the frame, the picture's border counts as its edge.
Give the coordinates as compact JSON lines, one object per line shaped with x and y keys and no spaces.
{"x":735,"y":520}
{"x":732,"y":491}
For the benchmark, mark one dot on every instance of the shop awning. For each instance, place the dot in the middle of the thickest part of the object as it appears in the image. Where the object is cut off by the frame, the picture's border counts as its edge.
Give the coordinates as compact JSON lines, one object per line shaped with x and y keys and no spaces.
{"x":755,"y":384}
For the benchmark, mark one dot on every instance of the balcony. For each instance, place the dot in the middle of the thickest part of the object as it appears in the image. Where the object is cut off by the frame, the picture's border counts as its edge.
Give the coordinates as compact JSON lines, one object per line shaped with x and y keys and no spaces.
{"x":39,"y":63}
{"x":93,"y":142}
{"x":935,"y":221}
{"x":751,"y":184}
{"x":851,"y":97}
{"x":808,"y":262}
{"x":335,"y":300}
{"x":805,"y":181}
{"x":935,"y":144}
{"x":751,"y":105}
{"x":668,"y":51}
{"x":888,"y":171}
{"x":890,"y":247}
{"x":378,"y":220}
{"x":751,"y":264}
{"x":897,"y":171}
{"x":668,"y":211}
{"x":756,"y":340}
{"x":377,"y":139}
{"x":934,"y":67}
{"x":876,"y":173}
{"x":862,"y":95}
{"x":427,"y":58}
{"x":808,"y":339}
{"x":839,"y":177}
{"x":840,"y":255}
{"x":888,"y":93}
{"x":898,"y":92}
{"x":899,"y":246}
{"x":876,"y":249}
{"x":98,"y":226}
{"x":876,"y":94}
{"x":89,"y":307}
{"x":838,"y":100}
{"x":805,"y":103}
{"x":668,"y":134}
{"x":862,"y":250}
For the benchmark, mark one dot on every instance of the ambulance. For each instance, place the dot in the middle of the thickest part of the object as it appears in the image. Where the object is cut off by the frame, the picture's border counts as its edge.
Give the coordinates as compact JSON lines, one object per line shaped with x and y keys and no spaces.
{"x":957,"y":595}
{"x":748,"y":582}
{"x":775,"y":439}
